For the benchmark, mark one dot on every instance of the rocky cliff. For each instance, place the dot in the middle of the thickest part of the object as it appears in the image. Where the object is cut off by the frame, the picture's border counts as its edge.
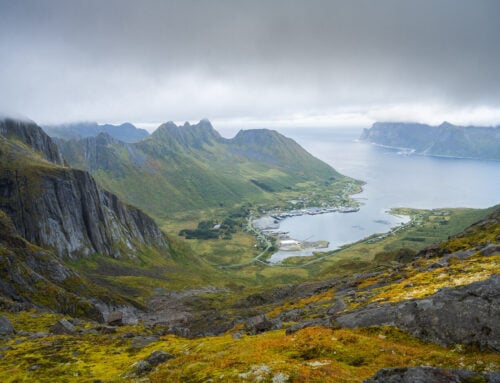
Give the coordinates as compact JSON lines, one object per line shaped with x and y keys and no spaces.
{"x":30,"y":134}
{"x":443,"y":140}
{"x":63,"y":209}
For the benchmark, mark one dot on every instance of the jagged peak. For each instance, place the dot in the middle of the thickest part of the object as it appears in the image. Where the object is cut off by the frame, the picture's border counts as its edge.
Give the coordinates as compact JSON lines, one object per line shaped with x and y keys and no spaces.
{"x":187,"y":134}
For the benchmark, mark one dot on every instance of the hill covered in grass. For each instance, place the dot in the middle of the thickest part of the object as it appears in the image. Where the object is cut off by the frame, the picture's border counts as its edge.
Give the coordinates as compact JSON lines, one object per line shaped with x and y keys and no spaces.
{"x":191,"y":167}
{"x":337,"y":329}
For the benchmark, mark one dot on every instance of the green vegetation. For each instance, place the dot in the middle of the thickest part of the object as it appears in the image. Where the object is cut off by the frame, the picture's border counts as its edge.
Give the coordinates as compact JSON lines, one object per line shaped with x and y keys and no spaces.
{"x":191,"y":168}
{"x":310,"y":355}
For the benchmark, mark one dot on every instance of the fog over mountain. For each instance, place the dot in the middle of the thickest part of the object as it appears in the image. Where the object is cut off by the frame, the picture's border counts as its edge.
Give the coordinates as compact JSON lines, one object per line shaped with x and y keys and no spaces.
{"x":259,"y":63}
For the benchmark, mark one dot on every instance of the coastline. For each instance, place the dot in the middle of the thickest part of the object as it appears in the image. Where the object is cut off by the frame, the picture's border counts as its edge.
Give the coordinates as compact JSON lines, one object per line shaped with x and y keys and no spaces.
{"x":412,"y":151}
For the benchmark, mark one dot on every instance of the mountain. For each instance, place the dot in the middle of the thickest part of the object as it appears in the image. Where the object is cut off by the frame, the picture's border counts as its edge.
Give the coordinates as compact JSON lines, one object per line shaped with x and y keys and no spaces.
{"x":51,"y":215}
{"x":125,"y":132}
{"x":443,"y":140}
{"x":191,"y":167}
{"x":425,"y":317}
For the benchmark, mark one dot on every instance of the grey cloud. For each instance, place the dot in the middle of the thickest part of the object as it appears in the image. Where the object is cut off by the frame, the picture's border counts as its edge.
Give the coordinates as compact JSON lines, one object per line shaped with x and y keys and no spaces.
{"x":119,"y":59}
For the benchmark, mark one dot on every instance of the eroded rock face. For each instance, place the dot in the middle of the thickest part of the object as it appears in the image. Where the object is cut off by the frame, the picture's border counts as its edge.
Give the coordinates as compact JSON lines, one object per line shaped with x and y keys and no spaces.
{"x":425,"y":374}
{"x":466,"y":315}
{"x":63,"y":209}
{"x":32,"y":135}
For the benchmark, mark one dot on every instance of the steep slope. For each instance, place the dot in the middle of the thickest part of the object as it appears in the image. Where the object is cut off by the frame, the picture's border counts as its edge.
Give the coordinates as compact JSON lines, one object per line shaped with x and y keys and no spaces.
{"x":62,"y":209}
{"x":443,"y":140}
{"x":192,"y":167}
{"x":30,"y":275}
{"x":313,"y":332}
{"x":125,"y":132}
{"x":52,"y":216}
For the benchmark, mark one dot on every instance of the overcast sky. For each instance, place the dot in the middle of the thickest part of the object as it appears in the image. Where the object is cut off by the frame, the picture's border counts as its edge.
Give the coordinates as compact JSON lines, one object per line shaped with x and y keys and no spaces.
{"x":251,"y":63}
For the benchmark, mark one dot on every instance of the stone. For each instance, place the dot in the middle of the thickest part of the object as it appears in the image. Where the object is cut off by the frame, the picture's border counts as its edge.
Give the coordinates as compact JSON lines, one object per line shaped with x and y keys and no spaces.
{"x":491,"y":249}
{"x":63,"y":327}
{"x":425,"y":374}
{"x":236,"y":335}
{"x":158,"y":356}
{"x":142,"y":366}
{"x":106,"y":329}
{"x":435,"y":318}
{"x":337,"y":307}
{"x":115,"y":318}
{"x":6,"y":327}
{"x":258,"y":324}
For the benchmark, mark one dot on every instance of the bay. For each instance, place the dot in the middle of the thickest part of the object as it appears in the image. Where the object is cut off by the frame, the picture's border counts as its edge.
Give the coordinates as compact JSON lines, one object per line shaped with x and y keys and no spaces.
{"x":393,"y":179}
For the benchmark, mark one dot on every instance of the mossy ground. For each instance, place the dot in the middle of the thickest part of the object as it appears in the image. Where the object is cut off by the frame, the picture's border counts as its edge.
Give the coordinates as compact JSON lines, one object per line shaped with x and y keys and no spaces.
{"x":310,"y":355}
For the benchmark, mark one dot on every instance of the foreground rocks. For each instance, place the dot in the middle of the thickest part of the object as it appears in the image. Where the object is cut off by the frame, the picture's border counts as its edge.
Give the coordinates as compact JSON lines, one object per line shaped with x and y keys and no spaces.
{"x":6,"y":327}
{"x":466,"y":315}
{"x":425,"y":374}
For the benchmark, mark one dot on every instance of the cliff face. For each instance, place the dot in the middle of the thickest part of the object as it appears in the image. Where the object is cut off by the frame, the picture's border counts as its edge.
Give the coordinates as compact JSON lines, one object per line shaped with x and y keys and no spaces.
{"x":63,"y":209}
{"x":443,"y":140}
{"x":33,"y":136}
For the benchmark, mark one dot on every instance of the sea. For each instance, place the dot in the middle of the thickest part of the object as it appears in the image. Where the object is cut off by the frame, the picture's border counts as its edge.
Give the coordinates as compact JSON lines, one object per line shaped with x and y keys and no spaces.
{"x":393,"y":178}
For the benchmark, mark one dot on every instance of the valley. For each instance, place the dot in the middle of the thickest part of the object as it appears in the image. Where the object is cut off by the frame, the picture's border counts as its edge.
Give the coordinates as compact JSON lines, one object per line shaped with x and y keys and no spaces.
{"x":193,"y":291}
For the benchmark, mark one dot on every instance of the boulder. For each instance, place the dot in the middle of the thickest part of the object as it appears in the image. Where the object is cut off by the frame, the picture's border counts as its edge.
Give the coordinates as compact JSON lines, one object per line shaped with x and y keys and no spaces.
{"x":115,"y":318}
{"x":464,"y":315}
{"x":142,"y":366}
{"x":63,"y":327}
{"x":425,"y":374}
{"x":258,"y":324}
{"x":5,"y":326}
{"x":158,"y":356}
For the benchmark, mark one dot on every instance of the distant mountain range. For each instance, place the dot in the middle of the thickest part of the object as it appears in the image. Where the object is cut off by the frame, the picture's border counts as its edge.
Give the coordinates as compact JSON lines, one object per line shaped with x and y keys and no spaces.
{"x":444,"y":140}
{"x":125,"y":132}
{"x":181,"y":168}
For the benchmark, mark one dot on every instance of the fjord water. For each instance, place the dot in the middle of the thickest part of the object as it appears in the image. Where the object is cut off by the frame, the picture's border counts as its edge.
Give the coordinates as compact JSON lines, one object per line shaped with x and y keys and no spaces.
{"x":393,"y":179}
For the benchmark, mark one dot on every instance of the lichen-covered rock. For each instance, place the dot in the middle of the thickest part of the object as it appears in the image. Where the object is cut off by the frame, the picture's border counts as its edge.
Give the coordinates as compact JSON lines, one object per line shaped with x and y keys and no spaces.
{"x":142,"y":366}
{"x":425,"y":374}
{"x":63,"y":327}
{"x":5,"y":326}
{"x":466,"y":315}
{"x":158,"y":356}
{"x":258,"y":324}
{"x":115,"y":318}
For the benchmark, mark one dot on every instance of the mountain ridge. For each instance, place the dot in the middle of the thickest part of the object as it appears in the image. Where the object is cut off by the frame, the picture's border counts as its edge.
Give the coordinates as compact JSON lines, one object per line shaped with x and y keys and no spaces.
{"x":191,"y":167}
{"x":126,"y":132}
{"x":446,"y":139}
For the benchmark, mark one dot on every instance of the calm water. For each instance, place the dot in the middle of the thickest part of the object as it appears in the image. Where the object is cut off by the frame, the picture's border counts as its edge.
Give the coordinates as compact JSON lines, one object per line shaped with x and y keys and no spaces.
{"x":392,"y":180}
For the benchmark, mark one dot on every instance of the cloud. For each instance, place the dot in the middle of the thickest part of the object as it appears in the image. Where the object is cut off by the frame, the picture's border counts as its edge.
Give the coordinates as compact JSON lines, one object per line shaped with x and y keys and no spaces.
{"x":306,"y":62}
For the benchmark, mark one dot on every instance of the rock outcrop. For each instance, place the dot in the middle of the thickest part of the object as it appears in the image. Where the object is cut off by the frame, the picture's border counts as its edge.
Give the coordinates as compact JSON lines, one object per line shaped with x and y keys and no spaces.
{"x":33,"y":136}
{"x":63,"y":209}
{"x":444,"y":140}
{"x":475,"y":307}
{"x":425,"y":374}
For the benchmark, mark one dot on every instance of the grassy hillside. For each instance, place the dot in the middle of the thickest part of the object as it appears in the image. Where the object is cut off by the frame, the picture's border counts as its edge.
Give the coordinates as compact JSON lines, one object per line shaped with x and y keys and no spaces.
{"x":312,"y":354}
{"x":188,"y":168}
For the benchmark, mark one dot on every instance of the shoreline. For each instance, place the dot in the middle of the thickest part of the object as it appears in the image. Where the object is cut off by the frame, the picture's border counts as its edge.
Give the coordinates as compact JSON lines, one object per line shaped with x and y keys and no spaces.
{"x":412,"y":151}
